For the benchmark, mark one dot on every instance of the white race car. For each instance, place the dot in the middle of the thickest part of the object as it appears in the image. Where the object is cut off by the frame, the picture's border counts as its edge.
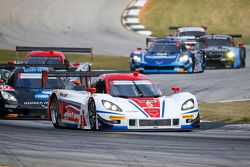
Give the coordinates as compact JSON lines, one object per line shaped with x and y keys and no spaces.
{"x":189,"y":34}
{"x":123,"y":101}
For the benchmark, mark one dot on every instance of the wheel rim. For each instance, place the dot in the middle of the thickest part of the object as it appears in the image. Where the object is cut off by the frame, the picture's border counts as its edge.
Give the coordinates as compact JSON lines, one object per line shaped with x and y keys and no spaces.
{"x":92,"y":115}
{"x":54,"y":113}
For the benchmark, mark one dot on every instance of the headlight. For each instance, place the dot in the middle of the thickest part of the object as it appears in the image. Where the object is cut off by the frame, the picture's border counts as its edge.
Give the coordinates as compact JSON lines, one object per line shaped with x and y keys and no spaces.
{"x":136,"y":58}
{"x":184,"y":58}
{"x":230,"y":55}
{"x":189,"y":104}
{"x":110,"y":106}
{"x":8,"y":96}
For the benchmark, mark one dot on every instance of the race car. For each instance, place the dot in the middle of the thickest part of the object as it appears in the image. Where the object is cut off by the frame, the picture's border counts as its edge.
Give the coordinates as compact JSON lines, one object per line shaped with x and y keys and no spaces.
{"x":190,"y":33}
{"x":221,"y":52}
{"x":52,"y":56}
{"x":165,"y":55}
{"x":122,"y":101}
{"x":22,"y":94}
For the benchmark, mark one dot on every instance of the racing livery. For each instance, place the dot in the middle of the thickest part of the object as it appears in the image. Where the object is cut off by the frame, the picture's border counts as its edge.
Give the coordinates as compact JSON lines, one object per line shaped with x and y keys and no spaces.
{"x":166,"y":55}
{"x":22,"y":94}
{"x":221,"y":52}
{"x":128,"y":101}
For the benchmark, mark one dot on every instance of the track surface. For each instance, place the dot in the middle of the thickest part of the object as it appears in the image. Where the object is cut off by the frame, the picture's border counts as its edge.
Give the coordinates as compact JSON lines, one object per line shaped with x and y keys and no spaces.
{"x":78,"y":23}
{"x":37,"y":143}
{"x":96,"y":23}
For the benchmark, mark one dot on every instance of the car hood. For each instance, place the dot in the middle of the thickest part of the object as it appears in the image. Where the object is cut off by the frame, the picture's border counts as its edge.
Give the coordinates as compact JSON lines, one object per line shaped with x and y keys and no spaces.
{"x":216,"y":49}
{"x":160,"y":58}
{"x":33,"y":97}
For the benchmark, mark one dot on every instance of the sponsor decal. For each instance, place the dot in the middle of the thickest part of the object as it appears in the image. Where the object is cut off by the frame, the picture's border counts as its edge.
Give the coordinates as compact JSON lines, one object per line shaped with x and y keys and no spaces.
{"x":36,"y":70}
{"x":161,"y":57}
{"x":10,"y":106}
{"x":6,"y":87}
{"x":35,"y":103}
{"x":139,"y":82}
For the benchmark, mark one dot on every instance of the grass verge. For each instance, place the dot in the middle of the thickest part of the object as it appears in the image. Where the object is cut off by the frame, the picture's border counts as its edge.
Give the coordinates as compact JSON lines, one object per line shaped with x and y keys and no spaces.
{"x":220,"y":16}
{"x":229,"y":112}
{"x":99,"y":61}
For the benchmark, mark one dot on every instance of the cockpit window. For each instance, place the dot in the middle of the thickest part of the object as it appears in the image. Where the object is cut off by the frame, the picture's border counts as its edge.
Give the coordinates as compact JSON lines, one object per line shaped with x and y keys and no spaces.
{"x":133,"y":88}
{"x":164,"y":48}
{"x":44,"y":60}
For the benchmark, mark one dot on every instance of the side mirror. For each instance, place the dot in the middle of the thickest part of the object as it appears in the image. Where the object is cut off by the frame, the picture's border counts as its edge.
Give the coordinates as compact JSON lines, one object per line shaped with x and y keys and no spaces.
{"x":76,"y":82}
{"x":175,"y":89}
{"x":91,"y":90}
{"x":241,"y":44}
{"x":11,"y":62}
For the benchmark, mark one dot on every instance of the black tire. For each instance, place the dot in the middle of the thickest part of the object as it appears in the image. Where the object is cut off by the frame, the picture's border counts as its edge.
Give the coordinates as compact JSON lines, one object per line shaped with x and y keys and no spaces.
{"x":92,"y":114}
{"x":242,"y":57}
{"x":55,"y":114}
{"x":3,"y":113}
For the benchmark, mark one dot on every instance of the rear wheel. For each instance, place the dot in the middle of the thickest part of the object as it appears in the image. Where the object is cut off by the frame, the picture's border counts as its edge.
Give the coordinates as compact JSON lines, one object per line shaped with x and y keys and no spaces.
{"x":55,"y":114}
{"x":92,"y":114}
{"x":242,"y":57}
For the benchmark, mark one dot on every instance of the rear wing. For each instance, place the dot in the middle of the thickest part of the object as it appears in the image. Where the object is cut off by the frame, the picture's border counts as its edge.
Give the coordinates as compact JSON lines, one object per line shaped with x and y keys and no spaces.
{"x":176,"y":27}
{"x":81,"y":74}
{"x":235,"y":35}
{"x":54,"y":66}
{"x":231,"y":35}
{"x":61,"y":49}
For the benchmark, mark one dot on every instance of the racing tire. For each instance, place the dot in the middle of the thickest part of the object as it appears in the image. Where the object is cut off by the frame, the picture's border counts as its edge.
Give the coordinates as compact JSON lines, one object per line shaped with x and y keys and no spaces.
{"x":3,"y":113}
{"x":92,"y":114}
{"x":55,"y":114}
{"x":242,"y":57}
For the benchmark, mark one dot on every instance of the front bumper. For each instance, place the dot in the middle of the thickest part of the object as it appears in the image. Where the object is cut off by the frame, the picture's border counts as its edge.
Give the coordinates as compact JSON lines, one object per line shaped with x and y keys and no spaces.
{"x":173,"y":68}
{"x":150,"y":124}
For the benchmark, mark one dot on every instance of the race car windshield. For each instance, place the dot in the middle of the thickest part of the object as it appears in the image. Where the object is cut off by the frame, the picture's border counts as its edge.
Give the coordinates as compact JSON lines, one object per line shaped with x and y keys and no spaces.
{"x":32,"y":81}
{"x":133,"y":88}
{"x":164,"y":48}
{"x":214,"y":42}
{"x":192,"y":33}
{"x":43,"y":60}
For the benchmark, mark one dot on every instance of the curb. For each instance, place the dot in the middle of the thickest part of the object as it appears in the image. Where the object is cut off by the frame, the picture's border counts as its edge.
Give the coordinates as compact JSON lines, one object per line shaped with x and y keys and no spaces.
{"x":130,"y":18}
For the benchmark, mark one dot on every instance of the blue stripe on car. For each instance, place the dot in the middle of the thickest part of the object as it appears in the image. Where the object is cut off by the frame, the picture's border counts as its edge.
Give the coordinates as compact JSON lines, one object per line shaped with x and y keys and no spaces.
{"x":191,"y":112}
{"x":107,"y":112}
{"x":163,"y":109}
{"x":139,"y":108}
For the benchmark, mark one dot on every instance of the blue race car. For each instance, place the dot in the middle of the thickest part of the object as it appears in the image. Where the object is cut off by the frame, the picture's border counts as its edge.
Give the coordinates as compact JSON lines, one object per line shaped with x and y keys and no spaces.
{"x":221,"y":52}
{"x":166,"y":55}
{"x":23,"y":95}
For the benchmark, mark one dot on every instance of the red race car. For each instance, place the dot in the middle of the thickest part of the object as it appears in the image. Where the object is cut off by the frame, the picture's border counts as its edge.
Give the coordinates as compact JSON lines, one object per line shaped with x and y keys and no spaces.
{"x":52,"y":56}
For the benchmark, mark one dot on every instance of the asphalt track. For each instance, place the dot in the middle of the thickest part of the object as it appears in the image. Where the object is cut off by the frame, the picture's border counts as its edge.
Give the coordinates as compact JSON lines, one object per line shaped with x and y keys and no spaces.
{"x":96,"y":23}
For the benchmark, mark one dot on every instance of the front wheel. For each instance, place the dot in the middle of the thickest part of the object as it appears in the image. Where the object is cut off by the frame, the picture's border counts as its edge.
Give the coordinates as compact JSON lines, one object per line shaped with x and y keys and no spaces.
{"x":55,"y":114}
{"x":92,"y":114}
{"x":242,"y":57}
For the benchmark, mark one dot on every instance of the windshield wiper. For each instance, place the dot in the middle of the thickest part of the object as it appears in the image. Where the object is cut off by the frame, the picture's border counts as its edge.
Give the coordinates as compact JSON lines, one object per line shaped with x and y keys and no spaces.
{"x":138,"y":89}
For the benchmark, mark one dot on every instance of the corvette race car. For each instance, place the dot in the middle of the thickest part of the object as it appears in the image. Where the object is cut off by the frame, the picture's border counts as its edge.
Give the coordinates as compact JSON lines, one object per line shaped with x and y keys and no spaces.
{"x":122,"y":101}
{"x":220,"y":51}
{"x":22,"y":94}
{"x":165,"y":55}
{"x":44,"y":56}
{"x":189,"y":33}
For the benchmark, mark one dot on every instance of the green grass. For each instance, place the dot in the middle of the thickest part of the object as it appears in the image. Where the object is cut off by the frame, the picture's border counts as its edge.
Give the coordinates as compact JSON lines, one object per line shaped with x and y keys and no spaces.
{"x":99,"y":61}
{"x":220,"y":16}
{"x":228,"y":112}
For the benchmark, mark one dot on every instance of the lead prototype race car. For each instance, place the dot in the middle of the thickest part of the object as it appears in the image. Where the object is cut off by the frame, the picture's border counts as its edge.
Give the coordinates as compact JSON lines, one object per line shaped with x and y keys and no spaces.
{"x":121,"y":101}
{"x":166,"y":55}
